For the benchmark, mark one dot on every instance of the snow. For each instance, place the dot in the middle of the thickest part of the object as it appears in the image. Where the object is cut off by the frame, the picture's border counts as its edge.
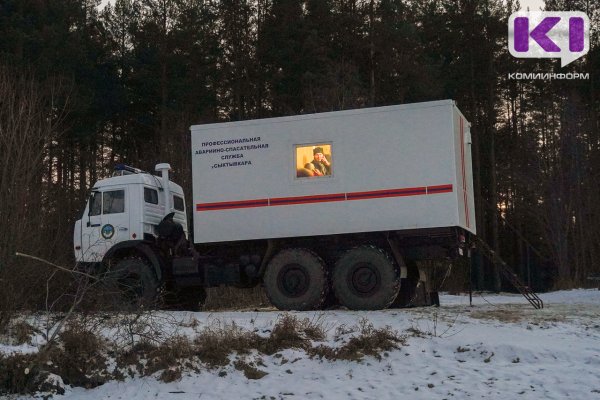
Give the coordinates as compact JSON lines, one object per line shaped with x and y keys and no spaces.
{"x":500,"y":348}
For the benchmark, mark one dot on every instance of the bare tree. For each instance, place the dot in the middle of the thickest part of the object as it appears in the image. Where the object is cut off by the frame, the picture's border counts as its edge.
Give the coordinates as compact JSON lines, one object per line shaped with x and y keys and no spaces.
{"x":30,"y":119}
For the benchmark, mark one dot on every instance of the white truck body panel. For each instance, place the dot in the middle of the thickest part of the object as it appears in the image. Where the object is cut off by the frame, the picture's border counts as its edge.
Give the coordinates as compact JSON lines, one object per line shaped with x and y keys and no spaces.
{"x":393,"y":168}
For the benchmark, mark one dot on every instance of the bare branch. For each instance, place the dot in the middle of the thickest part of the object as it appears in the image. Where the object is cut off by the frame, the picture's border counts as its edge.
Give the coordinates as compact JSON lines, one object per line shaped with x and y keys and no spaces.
{"x":74,"y":271}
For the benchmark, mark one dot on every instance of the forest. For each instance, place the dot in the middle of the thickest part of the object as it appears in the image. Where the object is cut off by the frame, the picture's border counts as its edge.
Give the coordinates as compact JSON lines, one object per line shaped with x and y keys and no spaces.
{"x":83,"y":87}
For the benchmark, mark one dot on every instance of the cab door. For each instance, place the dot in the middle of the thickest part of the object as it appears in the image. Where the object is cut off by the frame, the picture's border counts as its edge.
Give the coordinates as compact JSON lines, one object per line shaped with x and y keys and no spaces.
{"x":91,"y":222}
{"x":107,"y":223}
{"x":115,"y":217}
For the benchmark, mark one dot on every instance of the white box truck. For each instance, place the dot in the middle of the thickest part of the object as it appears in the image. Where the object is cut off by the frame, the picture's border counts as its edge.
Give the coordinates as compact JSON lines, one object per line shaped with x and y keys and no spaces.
{"x":337,"y":206}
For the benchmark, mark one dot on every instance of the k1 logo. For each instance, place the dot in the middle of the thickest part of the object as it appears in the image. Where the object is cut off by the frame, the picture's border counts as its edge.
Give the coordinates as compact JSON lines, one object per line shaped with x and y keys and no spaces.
{"x":549,"y":34}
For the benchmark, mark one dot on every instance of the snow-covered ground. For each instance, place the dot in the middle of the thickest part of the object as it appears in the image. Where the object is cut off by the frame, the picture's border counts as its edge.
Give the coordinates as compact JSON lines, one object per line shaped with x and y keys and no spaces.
{"x":501,"y":348}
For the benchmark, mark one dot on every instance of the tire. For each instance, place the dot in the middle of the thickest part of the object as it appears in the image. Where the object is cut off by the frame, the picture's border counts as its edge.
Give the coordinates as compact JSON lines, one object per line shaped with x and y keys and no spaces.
{"x":365,"y":278}
{"x":134,"y":282}
{"x":185,"y":299}
{"x":295,"y":279}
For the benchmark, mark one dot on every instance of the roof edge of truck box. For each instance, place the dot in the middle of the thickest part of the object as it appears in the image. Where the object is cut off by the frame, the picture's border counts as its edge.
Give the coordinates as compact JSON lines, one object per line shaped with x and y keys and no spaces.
{"x":327,"y":114}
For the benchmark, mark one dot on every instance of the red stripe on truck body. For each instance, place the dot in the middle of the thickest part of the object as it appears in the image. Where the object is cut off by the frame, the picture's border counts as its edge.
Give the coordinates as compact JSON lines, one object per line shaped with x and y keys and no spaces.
{"x":325,"y":198}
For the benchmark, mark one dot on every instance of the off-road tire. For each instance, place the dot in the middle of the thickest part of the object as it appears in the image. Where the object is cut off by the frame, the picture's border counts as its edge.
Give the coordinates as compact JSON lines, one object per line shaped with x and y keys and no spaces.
{"x":366,"y":278}
{"x":134,"y":282}
{"x":295,"y":279}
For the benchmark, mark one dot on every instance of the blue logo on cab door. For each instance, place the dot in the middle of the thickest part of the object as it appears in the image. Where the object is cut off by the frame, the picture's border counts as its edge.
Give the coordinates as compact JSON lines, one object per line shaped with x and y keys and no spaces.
{"x":107,"y":231}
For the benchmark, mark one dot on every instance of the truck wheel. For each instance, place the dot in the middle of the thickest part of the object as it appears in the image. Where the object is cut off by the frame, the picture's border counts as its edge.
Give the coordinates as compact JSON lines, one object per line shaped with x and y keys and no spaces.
{"x":365,"y":278}
{"x":135,"y":281}
{"x":295,"y":279}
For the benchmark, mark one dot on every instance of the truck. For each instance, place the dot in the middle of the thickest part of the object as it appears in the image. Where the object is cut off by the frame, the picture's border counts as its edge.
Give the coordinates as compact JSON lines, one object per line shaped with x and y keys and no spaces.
{"x":343,"y":207}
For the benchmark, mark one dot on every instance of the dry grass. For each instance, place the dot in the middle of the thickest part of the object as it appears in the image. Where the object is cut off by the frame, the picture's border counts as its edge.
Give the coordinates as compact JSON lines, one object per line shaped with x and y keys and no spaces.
{"x":17,"y":332}
{"x":22,"y":332}
{"x":291,"y":332}
{"x":502,"y":315}
{"x":214,"y":344}
{"x":519,"y":313}
{"x":81,"y":358}
{"x":129,"y":361}
{"x":16,"y":375}
{"x":370,"y":341}
{"x":250,"y":371}
{"x":230,"y":298}
{"x":170,"y":356}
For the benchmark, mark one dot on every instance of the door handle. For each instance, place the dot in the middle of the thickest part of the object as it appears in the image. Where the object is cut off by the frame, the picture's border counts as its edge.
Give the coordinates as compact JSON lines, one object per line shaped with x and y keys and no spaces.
{"x":94,"y":225}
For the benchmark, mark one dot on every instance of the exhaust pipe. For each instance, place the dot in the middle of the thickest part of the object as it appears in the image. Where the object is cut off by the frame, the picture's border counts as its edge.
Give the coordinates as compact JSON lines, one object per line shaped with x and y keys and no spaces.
{"x":164,"y":169}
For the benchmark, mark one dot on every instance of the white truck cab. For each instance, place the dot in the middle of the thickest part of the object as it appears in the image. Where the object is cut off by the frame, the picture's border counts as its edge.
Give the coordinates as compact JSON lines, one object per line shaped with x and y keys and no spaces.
{"x":126,"y":207}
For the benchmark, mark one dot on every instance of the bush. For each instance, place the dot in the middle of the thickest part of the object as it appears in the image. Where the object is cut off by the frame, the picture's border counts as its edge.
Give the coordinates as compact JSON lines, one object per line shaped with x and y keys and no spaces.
{"x":80,"y":357}
{"x":17,"y":374}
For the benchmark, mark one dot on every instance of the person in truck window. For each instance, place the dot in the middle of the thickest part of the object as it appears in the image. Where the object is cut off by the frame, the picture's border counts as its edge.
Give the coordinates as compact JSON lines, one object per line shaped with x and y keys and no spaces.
{"x":320,"y":166}
{"x":304,"y":173}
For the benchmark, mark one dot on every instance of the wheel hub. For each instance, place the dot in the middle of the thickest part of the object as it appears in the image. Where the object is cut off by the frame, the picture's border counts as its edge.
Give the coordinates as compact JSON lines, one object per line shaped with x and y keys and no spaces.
{"x":293,"y":280}
{"x":364,"y":279}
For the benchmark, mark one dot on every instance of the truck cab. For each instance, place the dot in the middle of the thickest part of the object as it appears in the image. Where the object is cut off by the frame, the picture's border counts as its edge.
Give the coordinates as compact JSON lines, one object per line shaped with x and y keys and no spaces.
{"x":126,"y":207}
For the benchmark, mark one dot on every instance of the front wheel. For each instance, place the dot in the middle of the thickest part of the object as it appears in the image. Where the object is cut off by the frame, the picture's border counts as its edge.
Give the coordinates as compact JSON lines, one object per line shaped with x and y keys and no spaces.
{"x":295,"y":279}
{"x":365,"y":278}
{"x":134,"y":282}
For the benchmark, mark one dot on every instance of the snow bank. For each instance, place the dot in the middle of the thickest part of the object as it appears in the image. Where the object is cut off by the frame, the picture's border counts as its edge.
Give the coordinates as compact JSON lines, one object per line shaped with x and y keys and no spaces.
{"x":500,"y":348}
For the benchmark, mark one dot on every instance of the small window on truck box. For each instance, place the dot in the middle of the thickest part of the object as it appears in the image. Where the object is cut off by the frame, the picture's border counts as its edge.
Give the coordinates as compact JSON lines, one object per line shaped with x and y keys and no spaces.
{"x":150,"y":196}
{"x":113,"y":202}
{"x":314,"y":160}
{"x":178,"y":203}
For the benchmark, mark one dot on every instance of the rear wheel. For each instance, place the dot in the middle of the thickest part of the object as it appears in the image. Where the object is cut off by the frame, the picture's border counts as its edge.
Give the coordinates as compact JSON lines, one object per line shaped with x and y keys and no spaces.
{"x":295,"y":279}
{"x":365,"y":278}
